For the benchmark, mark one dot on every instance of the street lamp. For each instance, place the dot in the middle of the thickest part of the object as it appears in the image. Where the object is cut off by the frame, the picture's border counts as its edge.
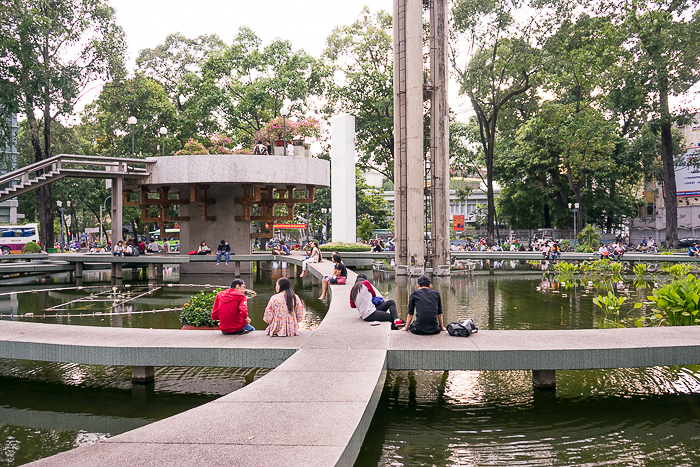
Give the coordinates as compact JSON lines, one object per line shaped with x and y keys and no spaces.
{"x":574,"y":210}
{"x":132,"y":122}
{"x":59,"y":204}
{"x":163,"y":132}
{"x":284,"y":112}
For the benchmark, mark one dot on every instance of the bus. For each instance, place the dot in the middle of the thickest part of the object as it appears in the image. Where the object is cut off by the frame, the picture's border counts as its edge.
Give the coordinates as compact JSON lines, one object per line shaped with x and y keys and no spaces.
{"x":172,"y":235}
{"x":14,"y":237}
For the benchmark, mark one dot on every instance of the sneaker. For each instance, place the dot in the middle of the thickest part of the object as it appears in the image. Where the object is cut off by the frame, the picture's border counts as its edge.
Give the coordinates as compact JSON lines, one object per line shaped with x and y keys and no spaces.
{"x":397,"y":324}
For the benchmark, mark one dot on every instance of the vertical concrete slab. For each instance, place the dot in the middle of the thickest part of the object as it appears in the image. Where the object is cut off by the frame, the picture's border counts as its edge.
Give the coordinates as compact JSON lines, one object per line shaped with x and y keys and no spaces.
{"x":408,"y":131}
{"x":142,"y":374}
{"x":116,"y":212}
{"x":544,"y":379}
{"x":344,"y":210}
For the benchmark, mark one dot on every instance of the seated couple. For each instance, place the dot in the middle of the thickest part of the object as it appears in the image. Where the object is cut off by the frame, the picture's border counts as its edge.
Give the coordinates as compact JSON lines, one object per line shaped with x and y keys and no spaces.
{"x":424,"y":306}
{"x":281,"y":249}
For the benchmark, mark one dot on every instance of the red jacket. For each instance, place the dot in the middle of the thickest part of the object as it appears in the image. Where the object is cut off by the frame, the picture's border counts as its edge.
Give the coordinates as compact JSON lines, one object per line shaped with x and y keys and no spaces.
{"x":231,"y":308}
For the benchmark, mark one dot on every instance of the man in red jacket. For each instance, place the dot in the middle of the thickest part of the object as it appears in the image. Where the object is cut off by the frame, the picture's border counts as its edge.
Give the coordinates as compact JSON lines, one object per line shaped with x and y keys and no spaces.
{"x":231,"y":309}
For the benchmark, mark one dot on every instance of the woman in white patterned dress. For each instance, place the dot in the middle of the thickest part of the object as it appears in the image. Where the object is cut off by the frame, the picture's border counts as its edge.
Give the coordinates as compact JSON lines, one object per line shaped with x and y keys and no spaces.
{"x":281,"y":321}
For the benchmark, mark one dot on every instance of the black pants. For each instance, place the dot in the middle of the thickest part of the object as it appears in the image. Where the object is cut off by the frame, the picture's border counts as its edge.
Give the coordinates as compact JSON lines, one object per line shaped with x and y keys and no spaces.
{"x":382,"y":315}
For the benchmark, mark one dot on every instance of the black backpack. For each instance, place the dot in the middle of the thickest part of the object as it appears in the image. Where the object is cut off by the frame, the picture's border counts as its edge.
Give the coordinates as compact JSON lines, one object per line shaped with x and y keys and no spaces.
{"x":463,"y":328}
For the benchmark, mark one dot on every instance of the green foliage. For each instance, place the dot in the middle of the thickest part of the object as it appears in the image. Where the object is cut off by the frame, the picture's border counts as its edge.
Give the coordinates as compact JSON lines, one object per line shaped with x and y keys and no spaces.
{"x":364,"y":230}
{"x":677,"y":271}
{"x":197,"y":310}
{"x":31,"y":247}
{"x":640,"y":270}
{"x":589,"y":237}
{"x":677,"y":302}
{"x":611,"y":303}
{"x":341,"y":247}
{"x":565,"y":269}
{"x":583,"y":249}
{"x":362,"y":54}
{"x":667,"y":253}
{"x":534,"y":263}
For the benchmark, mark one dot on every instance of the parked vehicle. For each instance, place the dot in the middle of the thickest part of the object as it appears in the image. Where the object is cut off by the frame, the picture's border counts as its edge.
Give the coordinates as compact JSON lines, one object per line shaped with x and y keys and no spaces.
{"x":14,"y":237}
{"x":687,"y":242}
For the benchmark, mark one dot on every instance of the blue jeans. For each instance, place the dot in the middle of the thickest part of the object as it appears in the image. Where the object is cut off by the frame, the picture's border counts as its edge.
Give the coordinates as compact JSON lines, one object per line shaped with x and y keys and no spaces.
{"x":218,"y":256}
{"x":247,"y":328}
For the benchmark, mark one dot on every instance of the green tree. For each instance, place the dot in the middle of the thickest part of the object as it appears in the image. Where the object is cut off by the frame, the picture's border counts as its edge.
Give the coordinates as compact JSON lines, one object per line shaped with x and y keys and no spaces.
{"x":589,"y":237}
{"x":665,"y":42}
{"x":105,"y":120}
{"x":502,"y":66}
{"x":51,"y":51}
{"x":364,"y":230}
{"x":245,"y":85}
{"x":359,"y":81}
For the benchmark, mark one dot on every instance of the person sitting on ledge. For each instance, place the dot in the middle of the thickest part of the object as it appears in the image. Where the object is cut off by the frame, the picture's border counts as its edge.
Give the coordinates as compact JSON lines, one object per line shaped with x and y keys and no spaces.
{"x":281,"y":249}
{"x":371,"y":305}
{"x":231,"y":309}
{"x":118,"y":249}
{"x":223,"y":249}
{"x":284,"y":311}
{"x":339,"y":271}
{"x":426,"y":304}
{"x":203,"y":249}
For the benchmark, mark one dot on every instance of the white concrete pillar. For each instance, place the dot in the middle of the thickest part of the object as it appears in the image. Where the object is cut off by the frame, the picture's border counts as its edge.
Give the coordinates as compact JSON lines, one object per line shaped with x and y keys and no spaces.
{"x":344,"y":209}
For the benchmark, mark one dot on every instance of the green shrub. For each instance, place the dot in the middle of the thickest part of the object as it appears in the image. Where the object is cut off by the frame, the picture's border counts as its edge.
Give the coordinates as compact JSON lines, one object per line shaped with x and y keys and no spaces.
{"x":677,"y":302}
{"x":611,"y":303}
{"x":640,"y":270}
{"x":583,"y":249}
{"x":666,"y":252}
{"x":197,"y":310}
{"x":31,"y":247}
{"x":565,"y":269}
{"x":341,"y":247}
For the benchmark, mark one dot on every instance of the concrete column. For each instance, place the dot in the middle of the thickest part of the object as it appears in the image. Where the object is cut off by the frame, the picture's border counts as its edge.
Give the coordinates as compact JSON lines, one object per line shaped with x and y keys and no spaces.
{"x":152,"y":272}
{"x":142,"y":374}
{"x":440,"y":138}
{"x":344,"y":210}
{"x":116,"y":213}
{"x":544,"y":379}
{"x":408,"y":132}
{"x":159,"y":271}
{"x":237,"y":268}
{"x":79,"y":270}
{"x":315,"y":280}
{"x":116,"y":270}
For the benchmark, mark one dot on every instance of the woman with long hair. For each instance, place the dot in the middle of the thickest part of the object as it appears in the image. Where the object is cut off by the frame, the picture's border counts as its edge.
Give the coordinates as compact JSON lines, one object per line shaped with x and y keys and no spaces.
{"x":339,"y":271}
{"x":284,"y":311}
{"x":314,"y":257}
{"x":371,"y":304}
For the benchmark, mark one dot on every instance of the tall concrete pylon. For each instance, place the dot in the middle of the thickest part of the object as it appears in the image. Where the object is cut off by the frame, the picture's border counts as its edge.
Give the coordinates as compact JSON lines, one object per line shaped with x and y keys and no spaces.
{"x":408,"y":134}
{"x":411,"y":171}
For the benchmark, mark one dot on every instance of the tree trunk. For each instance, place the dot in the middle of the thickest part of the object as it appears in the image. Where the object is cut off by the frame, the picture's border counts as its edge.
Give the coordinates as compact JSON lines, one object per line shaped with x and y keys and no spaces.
{"x":547,"y":218}
{"x":670,"y":197}
{"x":490,"y":205}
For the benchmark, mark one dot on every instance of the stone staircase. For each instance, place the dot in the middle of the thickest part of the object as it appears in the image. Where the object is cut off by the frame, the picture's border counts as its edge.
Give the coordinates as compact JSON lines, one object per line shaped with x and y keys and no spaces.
{"x":35,"y":175}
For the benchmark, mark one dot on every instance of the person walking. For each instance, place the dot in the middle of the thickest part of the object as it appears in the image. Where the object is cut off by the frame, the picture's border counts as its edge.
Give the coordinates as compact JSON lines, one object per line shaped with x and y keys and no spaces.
{"x":284,"y":311}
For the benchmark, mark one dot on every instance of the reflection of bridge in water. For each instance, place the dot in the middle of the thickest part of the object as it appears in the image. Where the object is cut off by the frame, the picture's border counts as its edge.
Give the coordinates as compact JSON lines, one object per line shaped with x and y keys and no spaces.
{"x":316,"y":406}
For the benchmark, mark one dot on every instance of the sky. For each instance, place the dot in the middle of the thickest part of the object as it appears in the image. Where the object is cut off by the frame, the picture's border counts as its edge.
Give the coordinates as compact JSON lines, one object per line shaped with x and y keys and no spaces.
{"x":306,"y":23}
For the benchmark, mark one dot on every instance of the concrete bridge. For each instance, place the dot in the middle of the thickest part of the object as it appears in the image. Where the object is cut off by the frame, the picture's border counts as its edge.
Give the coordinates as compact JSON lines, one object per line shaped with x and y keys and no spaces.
{"x":316,"y":406}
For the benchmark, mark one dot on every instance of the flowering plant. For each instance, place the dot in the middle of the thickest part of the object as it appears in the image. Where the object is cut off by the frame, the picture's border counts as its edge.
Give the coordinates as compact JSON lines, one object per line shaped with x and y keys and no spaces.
{"x":275,"y":129}
{"x":220,"y":144}
{"x":192,"y":147}
{"x":307,"y":128}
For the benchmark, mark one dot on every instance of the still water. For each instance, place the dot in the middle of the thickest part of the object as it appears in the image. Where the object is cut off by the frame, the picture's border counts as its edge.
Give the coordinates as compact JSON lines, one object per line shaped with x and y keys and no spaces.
{"x":621,"y":417}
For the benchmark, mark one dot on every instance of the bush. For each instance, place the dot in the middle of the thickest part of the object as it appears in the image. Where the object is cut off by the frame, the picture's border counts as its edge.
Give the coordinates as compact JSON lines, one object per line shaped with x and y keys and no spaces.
{"x":347,"y":247}
{"x":197,"y":310}
{"x":583,"y":249}
{"x":31,"y":247}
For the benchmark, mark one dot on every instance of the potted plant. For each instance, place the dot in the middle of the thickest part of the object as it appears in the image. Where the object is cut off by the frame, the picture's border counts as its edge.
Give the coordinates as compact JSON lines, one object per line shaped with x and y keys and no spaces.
{"x":196,"y":313}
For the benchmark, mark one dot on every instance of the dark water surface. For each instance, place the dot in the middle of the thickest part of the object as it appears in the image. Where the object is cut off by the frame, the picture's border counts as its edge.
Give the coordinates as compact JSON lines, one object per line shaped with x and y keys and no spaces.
{"x":622,"y":417}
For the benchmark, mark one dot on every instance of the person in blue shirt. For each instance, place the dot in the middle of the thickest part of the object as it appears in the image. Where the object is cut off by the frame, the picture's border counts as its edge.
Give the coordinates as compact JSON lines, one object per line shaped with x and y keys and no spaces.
{"x":281,"y":249}
{"x":223,"y":249}
{"x":694,"y":250}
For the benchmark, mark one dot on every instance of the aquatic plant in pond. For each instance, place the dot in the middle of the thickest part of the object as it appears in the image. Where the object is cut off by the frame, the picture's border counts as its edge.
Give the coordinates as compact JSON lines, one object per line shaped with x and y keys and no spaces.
{"x":677,"y":302}
{"x":677,"y":271}
{"x":640,"y":270}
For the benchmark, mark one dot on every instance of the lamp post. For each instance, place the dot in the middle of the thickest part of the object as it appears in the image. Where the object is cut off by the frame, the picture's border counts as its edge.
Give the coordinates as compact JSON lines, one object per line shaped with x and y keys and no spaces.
{"x":574,"y":210}
{"x":163,"y":132}
{"x":284,"y":112}
{"x":132,"y":122}
{"x":59,"y":204}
